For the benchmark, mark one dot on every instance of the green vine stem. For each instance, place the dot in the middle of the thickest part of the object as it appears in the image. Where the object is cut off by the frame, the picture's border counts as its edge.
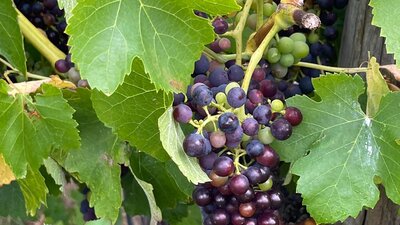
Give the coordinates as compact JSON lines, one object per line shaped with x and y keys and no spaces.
{"x":331,"y":68}
{"x":29,"y":75}
{"x":39,"y":40}
{"x":260,"y":13}
{"x":237,"y":34}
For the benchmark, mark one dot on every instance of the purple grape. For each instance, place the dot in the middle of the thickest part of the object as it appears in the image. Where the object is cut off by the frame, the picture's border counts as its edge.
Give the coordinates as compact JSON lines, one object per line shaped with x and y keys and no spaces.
{"x":228,"y":122}
{"x":201,"y":78}
{"x":224,"y":44}
{"x":235,"y":73}
{"x":178,"y":99}
{"x":262,"y":114}
{"x":220,"y":25}
{"x":262,"y":200}
{"x":254,"y":148}
{"x":202,"y":196}
{"x":239,"y":184}
{"x":328,"y":18}
{"x":201,"y":14}
{"x":254,"y":174}
{"x":214,"y":46}
{"x":182,"y":113}
{"x":237,"y":219}
{"x":206,"y":162}
{"x":306,"y":85}
{"x":26,"y":9}
{"x":316,"y":49}
{"x":255,"y":96}
{"x":233,"y":139}
{"x":281,"y":129}
{"x":219,"y":201}
{"x":202,"y":65}
{"x":223,"y":166}
{"x":258,"y":74}
{"x":218,"y":77}
{"x":49,"y":19}
{"x":236,"y":97}
{"x":37,"y":8}
{"x":202,"y":95}
{"x":248,"y":196}
{"x":268,"y":88}
{"x":224,"y":189}
{"x":196,"y":145}
{"x":328,"y":51}
{"x":267,"y":219}
{"x":268,"y":158}
{"x":293,"y":115}
{"x":250,"y":106}
{"x":217,"y":139}
{"x":250,"y":126}
{"x":276,"y":199}
{"x":330,"y":33}
{"x":50,"y":3}
{"x":84,"y":206}
{"x":292,"y":90}
{"x":62,"y":66}
{"x":61,"y":26}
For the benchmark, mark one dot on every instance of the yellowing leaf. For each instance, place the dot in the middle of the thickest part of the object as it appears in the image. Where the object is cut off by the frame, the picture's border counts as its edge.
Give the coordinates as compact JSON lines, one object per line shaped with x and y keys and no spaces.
{"x":6,"y":174}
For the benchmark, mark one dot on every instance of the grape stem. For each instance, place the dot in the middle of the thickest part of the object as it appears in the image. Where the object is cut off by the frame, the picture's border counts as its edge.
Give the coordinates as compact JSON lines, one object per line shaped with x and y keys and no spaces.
{"x":238,"y":153}
{"x":14,"y":70}
{"x":332,"y":69}
{"x":260,"y":13}
{"x":205,"y":122}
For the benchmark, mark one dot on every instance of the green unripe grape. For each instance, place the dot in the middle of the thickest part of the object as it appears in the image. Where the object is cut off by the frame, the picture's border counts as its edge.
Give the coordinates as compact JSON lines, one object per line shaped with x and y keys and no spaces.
{"x":266,"y":185}
{"x":286,"y":60}
{"x":278,"y":70}
{"x":238,"y":16}
{"x":245,"y":138}
{"x":273,"y":55}
{"x":300,"y":50}
{"x":252,"y":21}
{"x":265,"y":136}
{"x":221,"y":98}
{"x":285,"y":45}
{"x":230,"y":86}
{"x":298,"y":37}
{"x":269,"y":9}
{"x":313,"y":38}
{"x":277,"y":105}
{"x":272,"y":43}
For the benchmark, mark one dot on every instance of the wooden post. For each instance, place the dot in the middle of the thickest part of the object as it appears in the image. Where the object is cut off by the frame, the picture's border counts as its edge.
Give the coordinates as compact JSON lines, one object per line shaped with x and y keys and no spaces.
{"x":359,"y":38}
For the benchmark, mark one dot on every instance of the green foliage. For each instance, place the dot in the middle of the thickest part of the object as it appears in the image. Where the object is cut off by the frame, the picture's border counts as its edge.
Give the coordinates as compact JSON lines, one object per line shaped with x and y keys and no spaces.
{"x":34,"y":190}
{"x":105,"y":52}
{"x":12,"y":195}
{"x":11,"y":44}
{"x":387,"y":17}
{"x":32,"y":126}
{"x":133,"y":110}
{"x":344,"y":149}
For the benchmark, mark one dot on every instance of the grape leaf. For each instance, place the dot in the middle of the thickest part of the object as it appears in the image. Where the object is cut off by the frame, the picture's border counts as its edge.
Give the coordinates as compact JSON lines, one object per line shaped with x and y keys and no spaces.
{"x":344,"y":149}
{"x":216,"y":7}
{"x":172,"y":141}
{"x":12,"y":195}
{"x":135,"y":200}
{"x":56,"y":172}
{"x":193,"y":217}
{"x":34,"y":190}
{"x":11,"y":43}
{"x":96,"y":163}
{"x":68,"y":6}
{"x":377,"y":87}
{"x":154,"y":172}
{"x":6,"y":173}
{"x":381,"y":9}
{"x":29,"y":129}
{"x":133,"y":110}
{"x":99,"y":222}
{"x":106,"y":36}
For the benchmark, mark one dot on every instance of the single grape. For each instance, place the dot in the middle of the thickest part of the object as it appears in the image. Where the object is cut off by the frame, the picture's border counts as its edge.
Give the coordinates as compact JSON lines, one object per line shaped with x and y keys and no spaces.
{"x":285,"y":45}
{"x":293,"y":115}
{"x":207,"y":221}
{"x":306,"y":85}
{"x":201,"y":14}
{"x":214,"y":46}
{"x":268,"y":157}
{"x":250,"y":126}
{"x":251,"y":221}
{"x":219,"y":201}
{"x":217,"y":181}
{"x":268,"y":88}
{"x":217,"y":139}
{"x":83,"y":84}
{"x":49,"y":19}
{"x":262,"y":200}
{"x":84,"y":206}
{"x":300,"y":50}
{"x":267,"y":219}
{"x":239,"y":184}
{"x":265,"y":136}
{"x":201,"y":196}
{"x":269,"y":8}
{"x":202,"y":95}
{"x":258,"y":74}
{"x":250,"y":106}
{"x":236,"y":97}
{"x":62,"y":66}
{"x":248,"y":196}
{"x":233,"y":139}
{"x":273,"y":55}
{"x":254,"y":175}
{"x":228,"y":122}
{"x":182,"y":113}
{"x":235,"y":73}
{"x":254,"y":148}
{"x":262,"y":114}
{"x":218,"y":77}
{"x":316,"y":49}
{"x":330,"y":33}
{"x":201,"y":78}
{"x":313,"y":37}
{"x":224,"y":190}
{"x":237,"y":219}
{"x":223,"y":166}
{"x":220,"y":217}
{"x":252,"y":21}
{"x":292,"y":90}
{"x":220,"y":25}
{"x":276,"y":199}
{"x":207,"y":162}
{"x":328,"y":18}
{"x":37,"y":8}
{"x":202,"y":65}
{"x":26,"y":9}
{"x":278,"y":70}
{"x":281,"y":129}
{"x":247,"y":209}
{"x":298,"y":37}
{"x":267,"y":185}
{"x":286,"y":60}
{"x":224,"y":44}
{"x":196,"y":145}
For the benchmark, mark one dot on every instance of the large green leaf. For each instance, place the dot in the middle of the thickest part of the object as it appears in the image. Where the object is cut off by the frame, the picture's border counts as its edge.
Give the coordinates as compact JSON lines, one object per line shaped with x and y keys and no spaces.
{"x":154,"y":172}
{"x":133,"y":110}
{"x":135,"y":199}
{"x":56,"y":173}
{"x":11,"y":43}
{"x":30,"y":128}
{"x":345,"y":149}
{"x":172,"y":140}
{"x":34,"y":190}
{"x":106,"y":36}
{"x":96,"y":163}
{"x":387,"y":17}
{"x":12,"y":201}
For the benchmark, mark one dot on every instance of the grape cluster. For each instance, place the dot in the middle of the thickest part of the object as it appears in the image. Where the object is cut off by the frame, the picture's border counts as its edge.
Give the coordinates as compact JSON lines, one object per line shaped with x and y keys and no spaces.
{"x":232,"y":137}
{"x":46,"y":15}
{"x":87,"y":211}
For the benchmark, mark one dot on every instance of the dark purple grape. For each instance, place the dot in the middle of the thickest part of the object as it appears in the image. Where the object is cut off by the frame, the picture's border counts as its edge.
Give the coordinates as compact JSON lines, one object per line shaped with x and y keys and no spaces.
{"x":237,"y":219}
{"x":306,"y":85}
{"x":233,"y":139}
{"x":330,"y":33}
{"x":250,"y":106}
{"x":202,"y":196}
{"x":254,"y":85}
{"x":228,"y":122}
{"x":220,"y":25}
{"x":281,"y":129}
{"x":328,"y":51}
{"x":311,"y":72}
{"x":202,"y":95}
{"x":223,"y":166}
{"x":262,"y":114}
{"x":207,"y":221}
{"x":38,"y":22}
{"x":251,"y":221}
{"x":268,"y":88}
{"x":26,"y":9}
{"x":254,"y":148}
{"x":61,"y":26}
{"x":201,"y":14}
{"x":178,"y":99}
{"x":89,"y":215}
{"x":202,"y":65}
{"x":292,"y":90}
{"x":201,"y":78}
{"x":268,"y":158}
{"x":218,"y":77}
{"x":239,"y":184}
{"x":283,"y":85}
{"x":37,"y":8}
{"x":258,"y":74}
{"x":248,"y":196}
{"x":340,"y":4}
{"x":224,"y":190}
{"x":196,"y":145}
{"x":253,"y":174}
{"x":276,"y":199}
{"x":62,"y":66}
{"x":52,"y":36}
{"x":49,"y":3}
{"x":325,"y":4}
{"x":316,"y":49}
{"x":235,"y":73}
{"x":267,"y":219}
{"x":207,"y":162}
{"x":236,"y":97}
{"x":214,"y":46}
{"x":255,"y":96}
{"x":182,"y":113}
{"x":49,"y":19}
{"x":219,"y":200}
{"x":84,"y":206}
{"x":262,"y":200}
{"x":293,"y":115}
{"x":250,"y":126}
{"x":230,"y":63}
{"x":220,"y":217}
{"x":328,"y":18}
